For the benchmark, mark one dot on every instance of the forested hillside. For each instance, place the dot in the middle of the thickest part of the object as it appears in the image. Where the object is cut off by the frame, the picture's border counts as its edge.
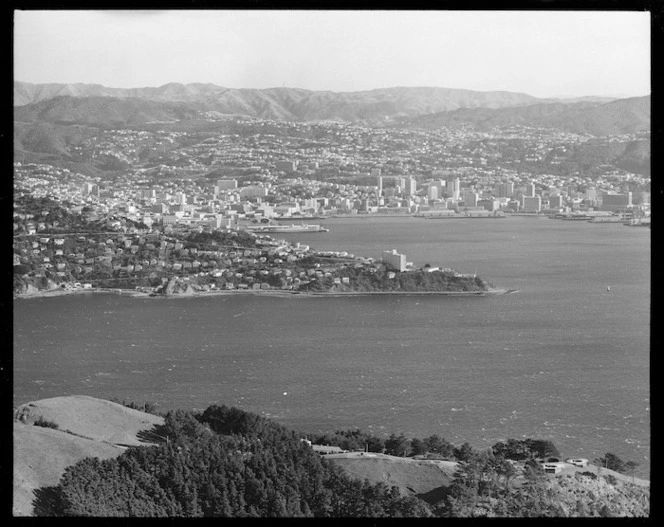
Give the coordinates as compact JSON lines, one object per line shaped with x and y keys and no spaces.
{"x":224,"y":462}
{"x":228,"y":462}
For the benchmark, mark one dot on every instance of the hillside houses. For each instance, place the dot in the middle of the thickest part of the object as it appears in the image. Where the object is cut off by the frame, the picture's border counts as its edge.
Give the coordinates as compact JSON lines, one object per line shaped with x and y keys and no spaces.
{"x":220,"y":260}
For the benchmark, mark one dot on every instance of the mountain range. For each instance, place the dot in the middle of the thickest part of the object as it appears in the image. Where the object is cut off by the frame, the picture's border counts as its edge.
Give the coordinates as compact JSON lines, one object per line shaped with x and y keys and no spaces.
{"x":49,"y":118}
{"x":96,"y":105}
{"x":288,"y":103}
{"x":617,"y":117}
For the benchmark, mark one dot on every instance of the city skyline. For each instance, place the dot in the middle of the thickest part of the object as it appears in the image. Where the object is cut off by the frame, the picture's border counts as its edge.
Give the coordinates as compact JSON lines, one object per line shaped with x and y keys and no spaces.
{"x":556,"y":53}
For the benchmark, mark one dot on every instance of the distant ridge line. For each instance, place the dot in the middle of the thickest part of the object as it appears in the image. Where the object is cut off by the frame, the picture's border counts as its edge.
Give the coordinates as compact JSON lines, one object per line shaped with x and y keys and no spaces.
{"x":419,"y":107}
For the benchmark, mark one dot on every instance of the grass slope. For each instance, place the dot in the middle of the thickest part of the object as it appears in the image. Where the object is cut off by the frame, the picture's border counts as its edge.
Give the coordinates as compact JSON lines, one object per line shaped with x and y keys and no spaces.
{"x":88,"y":427}
{"x":423,"y":478}
{"x":92,"y":418}
{"x":41,"y":456}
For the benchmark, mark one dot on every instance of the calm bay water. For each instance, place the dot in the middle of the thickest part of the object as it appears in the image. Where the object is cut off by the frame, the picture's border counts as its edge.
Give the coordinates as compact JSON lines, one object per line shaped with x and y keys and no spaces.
{"x":564,"y":359}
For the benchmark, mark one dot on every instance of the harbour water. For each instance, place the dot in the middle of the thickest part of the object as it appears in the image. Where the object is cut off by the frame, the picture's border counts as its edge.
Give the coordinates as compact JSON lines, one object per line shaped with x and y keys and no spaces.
{"x":564,"y":359}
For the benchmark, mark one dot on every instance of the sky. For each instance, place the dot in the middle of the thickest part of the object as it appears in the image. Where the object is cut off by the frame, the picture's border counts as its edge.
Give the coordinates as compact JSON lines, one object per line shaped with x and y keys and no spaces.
{"x":541,"y":53}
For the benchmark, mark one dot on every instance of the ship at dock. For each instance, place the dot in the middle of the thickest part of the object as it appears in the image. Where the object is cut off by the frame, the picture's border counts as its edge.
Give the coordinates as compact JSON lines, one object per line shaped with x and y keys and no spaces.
{"x":302,"y":227}
{"x":463,"y":216}
{"x":297,"y":217}
{"x":638,"y":222}
{"x":572,"y":217}
{"x":607,"y":219}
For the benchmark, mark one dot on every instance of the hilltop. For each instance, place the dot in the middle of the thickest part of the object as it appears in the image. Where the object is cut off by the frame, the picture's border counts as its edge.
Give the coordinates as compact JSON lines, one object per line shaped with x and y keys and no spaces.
{"x":102,"y":111}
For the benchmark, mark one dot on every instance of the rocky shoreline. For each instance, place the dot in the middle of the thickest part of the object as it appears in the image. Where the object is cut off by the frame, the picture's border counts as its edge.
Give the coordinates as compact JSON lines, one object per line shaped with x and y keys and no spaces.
{"x":260,"y":292}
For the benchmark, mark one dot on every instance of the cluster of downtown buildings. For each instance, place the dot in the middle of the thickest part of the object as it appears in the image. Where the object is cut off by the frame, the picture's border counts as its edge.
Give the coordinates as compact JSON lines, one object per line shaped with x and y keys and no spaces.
{"x":225,"y":203}
{"x":296,"y":172}
{"x":299,"y":170}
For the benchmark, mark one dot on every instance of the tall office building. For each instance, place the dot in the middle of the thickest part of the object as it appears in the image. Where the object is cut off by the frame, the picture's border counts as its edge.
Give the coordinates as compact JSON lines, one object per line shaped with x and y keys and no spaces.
{"x":617,"y":202}
{"x":506,"y":190}
{"x":379,"y":192}
{"x":491,"y":205}
{"x":90,"y":189}
{"x":530,"y":190}
{"x":470,"y":199}
{"x":556,"y":201}
{"x":456,"y":189}
{"x":401,"y":185}
{"x":432,"y":192}
{"x":410,"y":186}
{"x":532,"y":203}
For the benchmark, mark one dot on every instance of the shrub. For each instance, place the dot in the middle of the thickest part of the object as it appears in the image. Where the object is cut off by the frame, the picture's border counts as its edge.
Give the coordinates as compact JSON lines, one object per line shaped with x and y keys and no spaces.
{"x":40,"y":421}
{"x":610,"y":478}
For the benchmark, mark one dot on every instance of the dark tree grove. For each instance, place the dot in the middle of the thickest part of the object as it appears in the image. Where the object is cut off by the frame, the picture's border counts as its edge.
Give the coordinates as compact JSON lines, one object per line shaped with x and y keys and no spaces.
{"x":231,"y":463}
{"x":224,"y":462}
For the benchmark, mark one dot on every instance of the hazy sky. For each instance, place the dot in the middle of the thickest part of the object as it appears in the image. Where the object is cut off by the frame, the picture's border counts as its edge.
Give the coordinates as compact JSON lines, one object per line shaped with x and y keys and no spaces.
{"x":542,"y":53}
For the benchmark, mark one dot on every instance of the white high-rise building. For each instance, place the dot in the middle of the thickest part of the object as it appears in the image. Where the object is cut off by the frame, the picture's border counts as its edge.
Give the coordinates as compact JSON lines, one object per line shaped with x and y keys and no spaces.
{"x":394,"y":260}
{"x":456,"y":189}
{"x":410,"y":186}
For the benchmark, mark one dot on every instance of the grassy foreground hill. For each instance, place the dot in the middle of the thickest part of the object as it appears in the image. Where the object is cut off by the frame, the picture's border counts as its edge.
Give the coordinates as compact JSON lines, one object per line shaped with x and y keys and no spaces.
{"x":71,"y":457}
{"x":228,"y":463}
{"x":86,"y":427}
